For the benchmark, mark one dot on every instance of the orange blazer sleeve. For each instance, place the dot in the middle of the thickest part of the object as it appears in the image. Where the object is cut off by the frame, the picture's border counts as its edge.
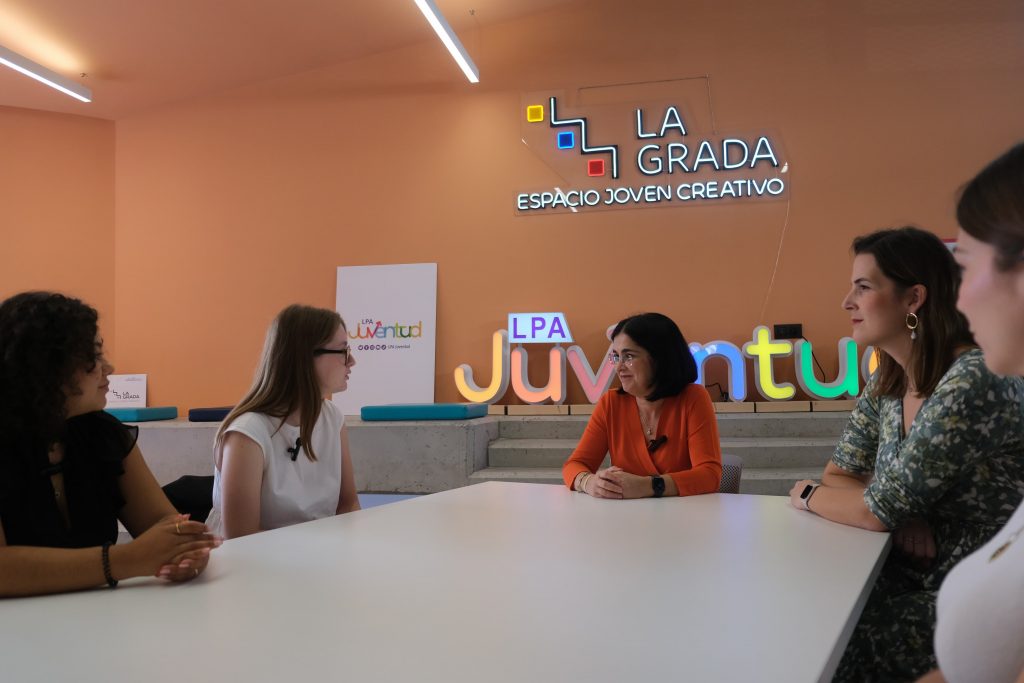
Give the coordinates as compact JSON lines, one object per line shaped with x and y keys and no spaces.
{"x":593,"y":446}
{"x":701,"y":429}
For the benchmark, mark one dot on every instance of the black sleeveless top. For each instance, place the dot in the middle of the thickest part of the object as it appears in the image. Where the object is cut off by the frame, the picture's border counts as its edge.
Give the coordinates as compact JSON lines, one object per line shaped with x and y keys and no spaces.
{"x":95,"y":446}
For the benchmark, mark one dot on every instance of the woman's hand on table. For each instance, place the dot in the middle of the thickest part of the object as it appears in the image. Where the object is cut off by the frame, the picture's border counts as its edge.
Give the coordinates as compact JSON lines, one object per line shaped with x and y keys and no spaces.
{"x":601,"y":485}
{"x":631,"y":485}
{"x":175,"y":548}
{"x":186,"y":566}
{"x":794,"y":493}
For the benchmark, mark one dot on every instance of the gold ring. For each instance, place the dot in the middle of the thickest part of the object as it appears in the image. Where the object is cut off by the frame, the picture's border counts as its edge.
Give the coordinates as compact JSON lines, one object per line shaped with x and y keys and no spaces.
{"x":196,"y":572}
{"x":177,"y":527}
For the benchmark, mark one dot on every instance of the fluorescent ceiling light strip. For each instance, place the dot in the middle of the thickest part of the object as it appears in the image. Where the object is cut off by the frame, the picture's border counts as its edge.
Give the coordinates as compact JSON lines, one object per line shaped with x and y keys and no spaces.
{"x":44,"y":75}
{"x":450,"y":40}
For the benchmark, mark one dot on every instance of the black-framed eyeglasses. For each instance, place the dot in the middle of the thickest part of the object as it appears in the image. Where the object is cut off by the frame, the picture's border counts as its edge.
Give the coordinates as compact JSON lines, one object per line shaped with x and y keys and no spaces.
{"x":321,"y":352}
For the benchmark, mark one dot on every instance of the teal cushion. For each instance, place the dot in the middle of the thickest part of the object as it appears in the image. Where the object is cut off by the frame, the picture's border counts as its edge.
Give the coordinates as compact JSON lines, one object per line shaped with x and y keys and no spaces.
{"x":144,"y":414}
{"x":424,"y":411}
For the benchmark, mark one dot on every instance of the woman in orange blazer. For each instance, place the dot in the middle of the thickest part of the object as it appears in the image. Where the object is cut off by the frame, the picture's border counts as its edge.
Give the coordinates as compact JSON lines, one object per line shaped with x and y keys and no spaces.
{"x":659,"y":428}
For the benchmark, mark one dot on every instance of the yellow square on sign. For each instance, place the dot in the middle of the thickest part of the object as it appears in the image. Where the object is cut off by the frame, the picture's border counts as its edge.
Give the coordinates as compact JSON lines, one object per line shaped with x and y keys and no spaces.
{"x":535,"y":113}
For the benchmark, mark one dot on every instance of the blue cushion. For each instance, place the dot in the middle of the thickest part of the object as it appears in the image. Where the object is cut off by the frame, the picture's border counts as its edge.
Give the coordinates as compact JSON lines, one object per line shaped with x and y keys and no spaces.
{"x":144,"y":414}
{"x":208,"y":414}
{"x":424,"y":411}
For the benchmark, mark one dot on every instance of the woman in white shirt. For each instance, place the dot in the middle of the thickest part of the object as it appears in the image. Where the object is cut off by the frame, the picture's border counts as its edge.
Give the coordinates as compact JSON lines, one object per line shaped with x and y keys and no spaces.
{"x":281,"y":456}
{"x":979,"y":636}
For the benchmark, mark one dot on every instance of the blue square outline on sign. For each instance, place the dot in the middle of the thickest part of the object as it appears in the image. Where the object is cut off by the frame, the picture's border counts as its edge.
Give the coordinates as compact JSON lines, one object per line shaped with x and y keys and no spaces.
{"x":566,"y":139}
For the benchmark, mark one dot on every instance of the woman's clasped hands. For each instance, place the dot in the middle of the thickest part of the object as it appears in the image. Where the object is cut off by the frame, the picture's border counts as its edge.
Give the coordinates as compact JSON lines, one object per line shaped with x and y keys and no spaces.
{"x":175,"y":548}
{"x":614,"y":482}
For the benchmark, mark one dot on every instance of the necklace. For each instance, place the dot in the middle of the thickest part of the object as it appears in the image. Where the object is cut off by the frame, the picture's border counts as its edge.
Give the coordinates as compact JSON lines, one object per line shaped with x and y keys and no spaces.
{"x":648,"y":429}
{"x":1002,"y":549}
{"x":57,"y":482}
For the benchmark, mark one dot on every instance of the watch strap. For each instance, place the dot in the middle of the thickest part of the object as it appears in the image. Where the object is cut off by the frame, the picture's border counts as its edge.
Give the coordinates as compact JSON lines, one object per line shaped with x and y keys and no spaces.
{"x":807,"y":499}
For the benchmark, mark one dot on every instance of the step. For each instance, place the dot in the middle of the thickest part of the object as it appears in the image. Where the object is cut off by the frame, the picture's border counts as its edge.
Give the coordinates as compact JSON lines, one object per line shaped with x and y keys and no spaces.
{"x":520,"y":453}
{"x":756,"y":453}
{"x":730,"y":425}
{"x":542,"y":427}
{"x":525,"y":475}
{"x":781,"y":425}
{"x":808,"y":453}
{"x":763,"y":482}
{"x":775,"y":481}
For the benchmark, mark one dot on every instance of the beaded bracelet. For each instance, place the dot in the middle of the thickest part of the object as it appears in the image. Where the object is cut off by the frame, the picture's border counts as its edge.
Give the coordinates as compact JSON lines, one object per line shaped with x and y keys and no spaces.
{"x":106,"y":566}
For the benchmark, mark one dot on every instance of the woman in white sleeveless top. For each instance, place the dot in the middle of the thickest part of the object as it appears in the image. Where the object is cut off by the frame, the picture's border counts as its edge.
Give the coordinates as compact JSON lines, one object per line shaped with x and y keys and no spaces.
{"x":979,"y":636}
{"x":281,"y":456}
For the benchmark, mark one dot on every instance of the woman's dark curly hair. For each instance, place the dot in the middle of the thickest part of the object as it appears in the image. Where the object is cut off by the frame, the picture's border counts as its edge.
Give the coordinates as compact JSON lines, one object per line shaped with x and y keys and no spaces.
{"x":44,"y":339}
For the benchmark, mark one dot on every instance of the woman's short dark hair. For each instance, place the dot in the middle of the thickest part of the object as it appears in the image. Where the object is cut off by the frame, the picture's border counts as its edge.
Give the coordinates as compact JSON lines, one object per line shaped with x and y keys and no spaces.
{"x":991,"y":207}
{"x":45,"y":338}
{"x":672,"y":363}
{"x":910,"y":256}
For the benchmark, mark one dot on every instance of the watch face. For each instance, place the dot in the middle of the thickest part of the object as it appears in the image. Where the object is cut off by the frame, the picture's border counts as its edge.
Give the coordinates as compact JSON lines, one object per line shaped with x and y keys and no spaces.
{"x":807,"y":491}
{"x":658,"y":485}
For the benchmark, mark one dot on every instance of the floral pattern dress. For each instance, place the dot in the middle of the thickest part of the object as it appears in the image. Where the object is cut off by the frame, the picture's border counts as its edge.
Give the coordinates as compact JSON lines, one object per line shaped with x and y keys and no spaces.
{"x":961,"y":469}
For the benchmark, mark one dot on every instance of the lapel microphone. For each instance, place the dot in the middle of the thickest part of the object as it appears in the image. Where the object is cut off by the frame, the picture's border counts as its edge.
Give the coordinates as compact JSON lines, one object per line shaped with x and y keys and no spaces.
{"x":655,"y":444}
{"x":298,"y":445}
{"x":53,"y":469}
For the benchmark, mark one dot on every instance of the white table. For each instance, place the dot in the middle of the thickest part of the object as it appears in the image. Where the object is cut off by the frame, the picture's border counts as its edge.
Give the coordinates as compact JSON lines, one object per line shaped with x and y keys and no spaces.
{"x":494,"y":582}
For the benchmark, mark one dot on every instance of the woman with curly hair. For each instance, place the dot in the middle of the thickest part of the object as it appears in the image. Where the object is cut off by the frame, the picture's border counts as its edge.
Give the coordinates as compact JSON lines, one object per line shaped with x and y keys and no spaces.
{"x":69,"y":471}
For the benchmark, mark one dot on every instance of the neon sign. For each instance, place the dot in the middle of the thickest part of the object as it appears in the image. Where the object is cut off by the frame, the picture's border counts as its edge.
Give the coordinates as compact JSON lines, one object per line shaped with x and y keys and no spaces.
{"x":539,"y":328}
{"x":509,"y":366}
{"x":668,"y":166}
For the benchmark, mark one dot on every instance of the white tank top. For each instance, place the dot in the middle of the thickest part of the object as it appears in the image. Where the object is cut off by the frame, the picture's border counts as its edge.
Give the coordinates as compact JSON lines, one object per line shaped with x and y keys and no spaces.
{"x":296,"y":490}
{"x":979,"y":637}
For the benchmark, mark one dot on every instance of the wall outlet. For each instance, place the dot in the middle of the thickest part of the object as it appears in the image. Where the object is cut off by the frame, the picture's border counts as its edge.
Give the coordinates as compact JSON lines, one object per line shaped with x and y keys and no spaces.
{"x":789,"y":331}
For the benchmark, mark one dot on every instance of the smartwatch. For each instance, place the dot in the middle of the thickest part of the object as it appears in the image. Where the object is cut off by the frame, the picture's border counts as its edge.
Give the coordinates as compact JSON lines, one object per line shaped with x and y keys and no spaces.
{"x":658,"y":484}
{"x":805,"y":495}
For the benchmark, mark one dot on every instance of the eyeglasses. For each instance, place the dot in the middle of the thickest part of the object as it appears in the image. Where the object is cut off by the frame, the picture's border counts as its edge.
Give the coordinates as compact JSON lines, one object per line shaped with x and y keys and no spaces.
{"x":343,"y":352}
{"x":626,"y":359}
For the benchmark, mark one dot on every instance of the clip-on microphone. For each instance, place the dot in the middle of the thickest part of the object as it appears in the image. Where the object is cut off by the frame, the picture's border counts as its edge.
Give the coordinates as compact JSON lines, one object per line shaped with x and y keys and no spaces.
{"x":295,"y":451}
{"x":655,"y":444}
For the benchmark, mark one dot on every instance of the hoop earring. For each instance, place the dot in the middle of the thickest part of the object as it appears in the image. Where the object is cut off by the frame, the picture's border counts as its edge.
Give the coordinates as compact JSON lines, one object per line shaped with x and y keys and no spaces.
{"x":912,"y":322}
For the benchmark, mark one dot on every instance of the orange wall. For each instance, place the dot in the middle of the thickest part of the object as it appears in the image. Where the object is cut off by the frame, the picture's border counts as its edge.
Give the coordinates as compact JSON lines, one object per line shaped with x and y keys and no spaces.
{"x":232,"y":206}
{"x":57,"y":207}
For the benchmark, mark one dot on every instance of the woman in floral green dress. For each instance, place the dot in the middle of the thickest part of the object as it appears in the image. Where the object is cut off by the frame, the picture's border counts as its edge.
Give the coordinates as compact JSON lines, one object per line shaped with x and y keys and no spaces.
{"x":933,"y":451}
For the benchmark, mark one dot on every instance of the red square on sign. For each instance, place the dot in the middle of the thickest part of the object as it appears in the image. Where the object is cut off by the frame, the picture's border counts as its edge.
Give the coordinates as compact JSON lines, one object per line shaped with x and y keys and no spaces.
{"x":595,"y":167}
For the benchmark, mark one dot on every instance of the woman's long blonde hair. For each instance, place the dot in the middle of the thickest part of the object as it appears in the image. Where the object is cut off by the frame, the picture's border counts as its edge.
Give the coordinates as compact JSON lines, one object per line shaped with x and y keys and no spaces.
{"x":285,"y":378}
